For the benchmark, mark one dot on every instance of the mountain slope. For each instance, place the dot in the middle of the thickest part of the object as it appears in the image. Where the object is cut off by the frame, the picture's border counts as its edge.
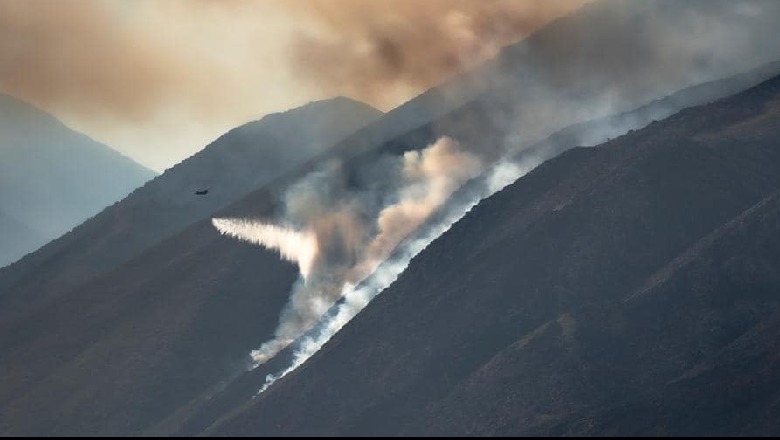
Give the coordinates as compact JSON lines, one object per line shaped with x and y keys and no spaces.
{"x":237,"y":163}
{"x":53,"y":178}
{"x":680,"y":355}
{"x":522,"y":318}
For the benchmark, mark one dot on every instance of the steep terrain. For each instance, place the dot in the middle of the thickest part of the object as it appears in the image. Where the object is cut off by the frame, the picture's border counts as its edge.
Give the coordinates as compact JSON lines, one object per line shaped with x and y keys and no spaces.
{"x":53,"y":178}
{"x":606,"y":292}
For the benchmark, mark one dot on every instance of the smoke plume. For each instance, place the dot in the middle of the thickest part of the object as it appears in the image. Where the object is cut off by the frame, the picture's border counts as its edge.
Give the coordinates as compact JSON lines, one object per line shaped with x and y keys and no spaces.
{"x":430,"y":176}
{"x":339,"y":234}
{"x":106,"y":68}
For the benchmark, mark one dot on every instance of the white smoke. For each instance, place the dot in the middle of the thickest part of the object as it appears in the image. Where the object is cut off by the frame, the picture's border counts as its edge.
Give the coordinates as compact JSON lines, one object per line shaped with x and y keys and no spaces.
{"x":296,"y":246}
{"x":357,"y":297}
{"x":506,"y":172}
{"x":338,"y":235}
{"x":430,"y":177}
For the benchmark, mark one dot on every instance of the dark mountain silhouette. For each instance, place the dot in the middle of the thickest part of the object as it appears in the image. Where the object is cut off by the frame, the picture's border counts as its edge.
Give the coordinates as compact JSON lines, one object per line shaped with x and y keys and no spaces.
{"x":140,"y":320}
{"x":53,"y":178}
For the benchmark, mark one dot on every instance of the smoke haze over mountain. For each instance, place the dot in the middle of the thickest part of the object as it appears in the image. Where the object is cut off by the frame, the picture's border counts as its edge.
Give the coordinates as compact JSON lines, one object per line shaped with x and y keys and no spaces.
{"x":158,"y":79}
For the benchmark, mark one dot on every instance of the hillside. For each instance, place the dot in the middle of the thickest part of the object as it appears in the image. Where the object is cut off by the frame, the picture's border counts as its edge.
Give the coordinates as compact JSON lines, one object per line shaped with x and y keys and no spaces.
{"x":605,"y":292}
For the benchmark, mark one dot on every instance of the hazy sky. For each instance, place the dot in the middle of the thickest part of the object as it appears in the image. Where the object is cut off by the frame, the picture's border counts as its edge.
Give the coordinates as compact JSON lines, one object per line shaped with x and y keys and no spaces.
{"x":159,"y":79}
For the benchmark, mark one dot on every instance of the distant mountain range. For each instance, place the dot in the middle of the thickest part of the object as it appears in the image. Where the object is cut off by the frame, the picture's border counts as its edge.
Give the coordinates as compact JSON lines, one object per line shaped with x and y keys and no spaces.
{"x":53,"y":178}
{"x":625,"y":288}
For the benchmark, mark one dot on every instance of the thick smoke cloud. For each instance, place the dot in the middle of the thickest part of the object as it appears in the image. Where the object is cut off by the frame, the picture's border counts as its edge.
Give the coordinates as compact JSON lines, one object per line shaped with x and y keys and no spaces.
{"x":346,"y":234}
{"x":160,"y":78}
